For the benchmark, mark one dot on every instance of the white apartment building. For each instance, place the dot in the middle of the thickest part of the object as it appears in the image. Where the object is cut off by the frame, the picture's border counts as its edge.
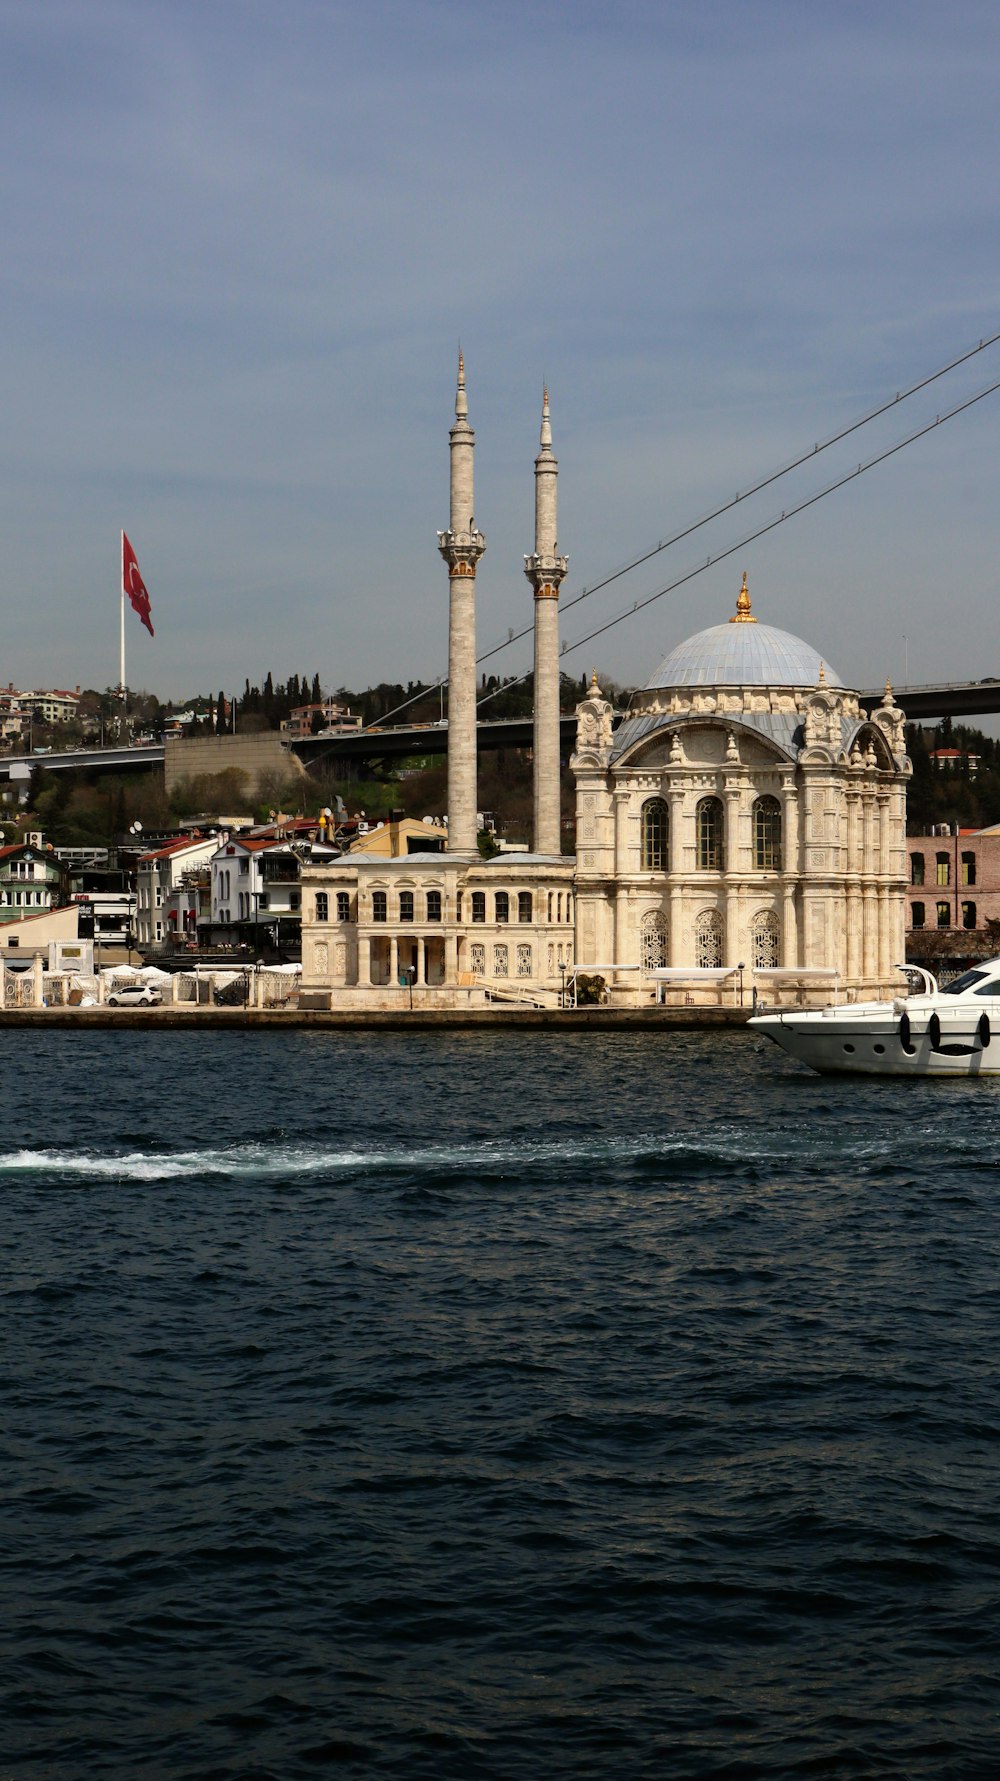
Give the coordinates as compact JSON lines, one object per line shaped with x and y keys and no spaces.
{"x":158,"y":877}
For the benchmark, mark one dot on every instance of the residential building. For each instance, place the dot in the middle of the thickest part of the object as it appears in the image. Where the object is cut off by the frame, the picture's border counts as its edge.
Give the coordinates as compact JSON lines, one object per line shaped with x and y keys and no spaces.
{"x":51,"y":707}
{"x":162,"y":913}
{"x":326,"y":719}
{"x":955,"y":760}
{"x":954,"y":878}
{"x":256,"y":894}
{"x":32,"y":879}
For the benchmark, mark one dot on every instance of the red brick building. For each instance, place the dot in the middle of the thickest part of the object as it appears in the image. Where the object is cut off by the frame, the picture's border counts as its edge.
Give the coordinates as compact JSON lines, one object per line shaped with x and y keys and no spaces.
{"x":954,"y":878}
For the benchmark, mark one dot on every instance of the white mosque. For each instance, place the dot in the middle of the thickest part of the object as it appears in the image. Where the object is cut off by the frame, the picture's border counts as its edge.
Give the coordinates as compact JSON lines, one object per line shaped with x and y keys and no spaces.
{"x":745,"y":823}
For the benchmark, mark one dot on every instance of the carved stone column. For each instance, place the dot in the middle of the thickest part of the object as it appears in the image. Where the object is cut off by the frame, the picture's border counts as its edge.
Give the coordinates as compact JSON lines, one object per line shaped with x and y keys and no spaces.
{"x":623,"y":864}
{"x":869,"y":910}
{"x":789,"y":929}
{"x":451,"y":959}
{"x":852,"y":916}
{"x":364,"y":961}
{"x":675,"y":839}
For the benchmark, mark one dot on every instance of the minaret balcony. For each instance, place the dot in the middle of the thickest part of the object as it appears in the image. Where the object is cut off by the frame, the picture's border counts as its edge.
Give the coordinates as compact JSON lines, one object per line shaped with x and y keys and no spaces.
{"x":461,"y":547}
{"x":541,"y":566}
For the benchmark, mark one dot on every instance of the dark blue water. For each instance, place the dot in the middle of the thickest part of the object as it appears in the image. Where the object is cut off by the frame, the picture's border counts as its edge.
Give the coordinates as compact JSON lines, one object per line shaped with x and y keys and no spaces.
{"x":487,"y":1406}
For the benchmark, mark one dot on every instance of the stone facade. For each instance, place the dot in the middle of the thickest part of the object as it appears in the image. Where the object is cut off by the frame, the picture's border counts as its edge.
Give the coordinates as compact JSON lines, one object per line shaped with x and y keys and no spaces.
{"x":733,"y":821}
{"x":450,"y":929}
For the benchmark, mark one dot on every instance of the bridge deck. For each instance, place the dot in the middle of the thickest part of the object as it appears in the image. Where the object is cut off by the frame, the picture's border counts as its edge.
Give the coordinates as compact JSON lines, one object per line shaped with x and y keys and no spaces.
{"x":979,"y":698}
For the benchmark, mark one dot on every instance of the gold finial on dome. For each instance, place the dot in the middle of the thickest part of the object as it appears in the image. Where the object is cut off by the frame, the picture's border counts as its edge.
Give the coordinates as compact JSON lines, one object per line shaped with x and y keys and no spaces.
{"x":593,"y":677}
{"x":743,"y":615}
{"x":822,"y":675}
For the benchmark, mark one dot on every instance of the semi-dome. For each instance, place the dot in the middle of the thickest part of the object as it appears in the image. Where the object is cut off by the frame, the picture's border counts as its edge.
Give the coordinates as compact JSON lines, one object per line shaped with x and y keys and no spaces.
{"x":743,"y":653}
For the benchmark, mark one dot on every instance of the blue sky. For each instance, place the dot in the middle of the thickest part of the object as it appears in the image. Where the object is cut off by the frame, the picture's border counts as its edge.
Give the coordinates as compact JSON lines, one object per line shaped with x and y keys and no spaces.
{"x":243,"y":242}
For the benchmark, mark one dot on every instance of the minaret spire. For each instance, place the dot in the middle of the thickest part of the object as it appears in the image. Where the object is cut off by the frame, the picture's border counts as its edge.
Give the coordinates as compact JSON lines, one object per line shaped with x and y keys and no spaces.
{"x":462,"y":546}
{"x":545,"y":570}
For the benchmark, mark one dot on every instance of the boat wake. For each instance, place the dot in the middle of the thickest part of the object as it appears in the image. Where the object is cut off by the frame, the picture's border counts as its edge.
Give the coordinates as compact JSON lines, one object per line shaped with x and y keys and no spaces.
{"x":727,"y":1151}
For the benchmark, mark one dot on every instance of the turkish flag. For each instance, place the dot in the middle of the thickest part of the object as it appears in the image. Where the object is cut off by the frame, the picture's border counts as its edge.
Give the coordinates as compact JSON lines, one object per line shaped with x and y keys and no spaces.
{"x":134,"y":585}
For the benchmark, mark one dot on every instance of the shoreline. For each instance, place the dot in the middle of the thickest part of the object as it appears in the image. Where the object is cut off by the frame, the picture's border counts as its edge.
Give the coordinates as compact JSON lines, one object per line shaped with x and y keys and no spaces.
{"x":383,"y":1019}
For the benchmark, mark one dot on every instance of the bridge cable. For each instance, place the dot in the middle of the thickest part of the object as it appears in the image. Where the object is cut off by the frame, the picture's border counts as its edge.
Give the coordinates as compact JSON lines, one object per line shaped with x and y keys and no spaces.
{"x":726,"y":507}
{"x":741,"y":544}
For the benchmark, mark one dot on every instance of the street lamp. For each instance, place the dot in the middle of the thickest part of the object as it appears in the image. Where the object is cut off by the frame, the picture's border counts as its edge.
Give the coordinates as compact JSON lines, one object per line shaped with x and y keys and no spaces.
{"x":410,"y":972}
{"x":741,"y":967}
{"x":135,"y":830}
{"x":562,"y":985}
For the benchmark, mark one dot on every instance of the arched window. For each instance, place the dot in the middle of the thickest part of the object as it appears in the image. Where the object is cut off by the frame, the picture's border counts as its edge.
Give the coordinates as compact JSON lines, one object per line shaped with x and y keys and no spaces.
{"x":916,"y":868}
{"x":322,"y":906}
{"x":479,"y":905}
{"x":380,"y":906}
{"x":655,"y":817}
{"x":767,"y":835}
{"x":524,"y":905}
{"x":343,"y":905}
{"x":765,"y":940}
{"x":708,"y":935}
{"x":433,"y":905}
{"x":708,"y":817}
{"x":406,"y":905}
{"x":653,"y":941}
{"x":502,"y":907}
{"x":918,"y":914}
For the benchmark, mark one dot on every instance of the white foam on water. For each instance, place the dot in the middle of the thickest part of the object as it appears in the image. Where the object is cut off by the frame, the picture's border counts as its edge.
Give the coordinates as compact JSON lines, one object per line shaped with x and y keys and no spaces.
{"x":280,"y":1159}
{"x":287,"y":1160}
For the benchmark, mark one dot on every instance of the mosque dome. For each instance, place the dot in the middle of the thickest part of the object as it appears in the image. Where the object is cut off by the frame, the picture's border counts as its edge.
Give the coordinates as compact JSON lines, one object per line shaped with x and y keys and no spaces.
{"x":743,"y":653}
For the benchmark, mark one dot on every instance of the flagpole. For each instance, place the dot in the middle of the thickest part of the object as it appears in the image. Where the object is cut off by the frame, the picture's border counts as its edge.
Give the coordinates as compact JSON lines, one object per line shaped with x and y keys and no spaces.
{"x":121,"y":626}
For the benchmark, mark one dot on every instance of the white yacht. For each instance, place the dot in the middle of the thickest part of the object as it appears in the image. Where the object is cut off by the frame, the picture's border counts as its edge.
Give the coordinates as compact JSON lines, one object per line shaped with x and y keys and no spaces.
{"x":954,"y":1031}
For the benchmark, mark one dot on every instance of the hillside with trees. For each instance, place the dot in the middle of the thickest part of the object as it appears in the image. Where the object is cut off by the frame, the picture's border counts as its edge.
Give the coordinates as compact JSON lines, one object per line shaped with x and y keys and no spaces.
{"x":966,"y":792}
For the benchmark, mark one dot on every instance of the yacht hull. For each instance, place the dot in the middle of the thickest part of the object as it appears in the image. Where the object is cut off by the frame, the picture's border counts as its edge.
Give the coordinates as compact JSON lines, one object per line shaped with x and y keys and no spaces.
{"x":925,"y":1036}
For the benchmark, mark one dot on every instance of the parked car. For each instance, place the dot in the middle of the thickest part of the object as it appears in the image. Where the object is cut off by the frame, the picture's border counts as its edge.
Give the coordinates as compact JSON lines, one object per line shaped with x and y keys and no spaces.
{"x":134,"y":995}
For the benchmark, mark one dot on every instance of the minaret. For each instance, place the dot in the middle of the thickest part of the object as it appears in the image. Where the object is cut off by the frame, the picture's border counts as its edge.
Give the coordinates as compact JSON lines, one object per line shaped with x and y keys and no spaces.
{"x":545,"y":570}
{"x":462,"y":546}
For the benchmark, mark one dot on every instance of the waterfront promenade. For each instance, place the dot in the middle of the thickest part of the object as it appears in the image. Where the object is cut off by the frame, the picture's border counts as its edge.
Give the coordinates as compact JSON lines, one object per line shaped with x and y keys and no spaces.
{"x":192,"y":1016}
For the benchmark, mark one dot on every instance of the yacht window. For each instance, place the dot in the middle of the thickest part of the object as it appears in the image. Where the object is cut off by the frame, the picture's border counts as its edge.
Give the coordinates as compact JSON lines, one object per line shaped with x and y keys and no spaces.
{"x":968,"y":980}
{"x":989,"y":989}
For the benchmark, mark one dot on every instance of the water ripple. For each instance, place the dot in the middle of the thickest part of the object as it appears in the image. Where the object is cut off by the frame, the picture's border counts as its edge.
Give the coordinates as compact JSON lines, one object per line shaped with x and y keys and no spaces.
{"x":463,"y":1407}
